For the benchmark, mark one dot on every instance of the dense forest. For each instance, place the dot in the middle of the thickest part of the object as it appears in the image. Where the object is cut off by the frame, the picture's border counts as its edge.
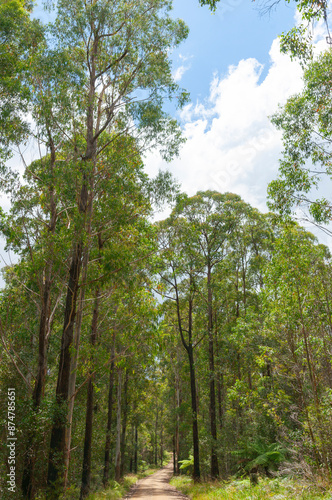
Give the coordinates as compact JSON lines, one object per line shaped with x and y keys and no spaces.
{"x":124,"y":338}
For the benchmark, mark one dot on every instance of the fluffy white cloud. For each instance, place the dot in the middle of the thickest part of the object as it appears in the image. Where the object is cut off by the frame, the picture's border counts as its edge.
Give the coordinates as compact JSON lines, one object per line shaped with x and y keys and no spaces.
{"x":179,"y":72}
{"x":184,"y":66}
{"x":231,"y":144}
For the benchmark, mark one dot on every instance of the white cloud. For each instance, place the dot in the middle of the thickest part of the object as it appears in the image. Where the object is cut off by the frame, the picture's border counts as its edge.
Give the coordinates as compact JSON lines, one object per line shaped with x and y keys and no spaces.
{"x":179,"y":72}
{"x":182,"y":68}
{"x":231,"y":144}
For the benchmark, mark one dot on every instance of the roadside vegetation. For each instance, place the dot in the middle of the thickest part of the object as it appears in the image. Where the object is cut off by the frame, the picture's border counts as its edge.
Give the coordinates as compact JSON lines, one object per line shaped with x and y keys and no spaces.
{"x":282,"y":488}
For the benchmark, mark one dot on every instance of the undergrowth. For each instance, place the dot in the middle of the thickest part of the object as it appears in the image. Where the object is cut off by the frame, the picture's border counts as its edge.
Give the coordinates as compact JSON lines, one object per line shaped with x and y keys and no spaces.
{"x":277,"y":489}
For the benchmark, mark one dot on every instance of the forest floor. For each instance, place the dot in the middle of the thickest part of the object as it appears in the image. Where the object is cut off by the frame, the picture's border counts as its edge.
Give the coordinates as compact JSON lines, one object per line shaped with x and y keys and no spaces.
{"x":277,"y":489}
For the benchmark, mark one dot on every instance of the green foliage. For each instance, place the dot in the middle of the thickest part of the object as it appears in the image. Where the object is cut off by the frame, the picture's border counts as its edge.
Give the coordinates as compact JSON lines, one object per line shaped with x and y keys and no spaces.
{"x":260,"y":455}
{"x":297,"y":42}
{"x":19,"y":39}
{"x":278,"y":489}
{"x":304,"y":122}
{"x":115,"y":490}
{"x":211,"y":3}
{"x":187,"y":465}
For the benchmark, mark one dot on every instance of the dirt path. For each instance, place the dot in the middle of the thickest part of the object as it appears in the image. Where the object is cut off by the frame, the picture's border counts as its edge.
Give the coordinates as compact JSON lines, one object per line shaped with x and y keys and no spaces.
{"x":156,"y":486}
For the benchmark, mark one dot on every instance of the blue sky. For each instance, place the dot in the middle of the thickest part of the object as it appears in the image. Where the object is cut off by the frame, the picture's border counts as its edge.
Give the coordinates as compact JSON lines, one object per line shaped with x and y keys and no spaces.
{"x":235,"y":31}
{"x":232,"y":67}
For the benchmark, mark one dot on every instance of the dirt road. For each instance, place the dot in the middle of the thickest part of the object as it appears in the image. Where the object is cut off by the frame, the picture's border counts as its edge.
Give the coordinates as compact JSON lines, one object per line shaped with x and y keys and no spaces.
{"x":156,"y":486}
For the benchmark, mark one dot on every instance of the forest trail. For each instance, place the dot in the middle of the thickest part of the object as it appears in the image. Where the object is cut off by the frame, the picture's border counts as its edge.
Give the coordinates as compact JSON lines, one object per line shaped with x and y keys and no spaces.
{"x":157,"y":486}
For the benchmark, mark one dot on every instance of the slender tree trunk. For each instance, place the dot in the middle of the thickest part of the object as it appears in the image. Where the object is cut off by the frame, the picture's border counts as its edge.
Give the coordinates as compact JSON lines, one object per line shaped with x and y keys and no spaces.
{"x":136,"y":448}
{"x":156,"y":436}
{"x":177,"y":428}
{"x":213,"y":419}
{"x":109,"y":419}
{"x":118,"y":433}
{"x":44,"y":326}
{"x":220,"y":383}
{"x":314,"y":385}
{"x":132,"y":450}
{"x":38,"y":393}
{"x":86,"y":470}
{"x":74,"y":362}
{"x":161,"y":438}
{"x":58,"y":435}
{"x":220,"y":401}
{"x":190,"y":351}
{"x":196,"y":474}
{"x":124,"y":422}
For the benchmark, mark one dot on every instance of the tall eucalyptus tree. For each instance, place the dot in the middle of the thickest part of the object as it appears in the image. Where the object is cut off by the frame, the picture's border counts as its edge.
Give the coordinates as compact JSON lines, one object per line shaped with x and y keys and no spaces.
{"x":120,"y":50}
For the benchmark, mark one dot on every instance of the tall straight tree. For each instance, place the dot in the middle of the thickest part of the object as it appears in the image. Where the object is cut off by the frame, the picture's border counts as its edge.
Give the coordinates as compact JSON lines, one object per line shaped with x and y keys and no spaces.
{"x":178,"y":271}
{"x":121,"y":50}
{"x":208,"y":219}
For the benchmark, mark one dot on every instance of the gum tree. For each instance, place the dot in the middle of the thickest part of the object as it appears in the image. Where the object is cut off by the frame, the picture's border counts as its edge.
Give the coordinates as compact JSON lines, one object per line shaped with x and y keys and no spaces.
{"x":208,"y":219}
{"x":120,"y":50}
{"x":177,"y":268}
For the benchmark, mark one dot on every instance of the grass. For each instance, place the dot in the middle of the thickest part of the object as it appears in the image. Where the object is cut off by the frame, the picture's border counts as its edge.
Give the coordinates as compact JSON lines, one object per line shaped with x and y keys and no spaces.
{"x":277,"y":489}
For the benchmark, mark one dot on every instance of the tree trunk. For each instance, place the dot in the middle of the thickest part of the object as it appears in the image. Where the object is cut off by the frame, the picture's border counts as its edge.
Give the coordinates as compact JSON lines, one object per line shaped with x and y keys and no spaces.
{"x":136,"y":446}
{"x":124,"y":422}
{"x":73,"y":364}
{"x":118,"y":433}
{"x":44,"y":327}
{"x":177,"y":428}
{"x":132,"y":450}
{"x":86,"y":471}
{"x":190,"y":351}
{"x":220,"y":385}
{"x":39,"y":388}
{"x":156,"y":437}
{"x":109,"y":419}
{"x":161,"y":438}
{"x":58,"y":435}
{"x":213,"y":420}
{"x":196,"y":473}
